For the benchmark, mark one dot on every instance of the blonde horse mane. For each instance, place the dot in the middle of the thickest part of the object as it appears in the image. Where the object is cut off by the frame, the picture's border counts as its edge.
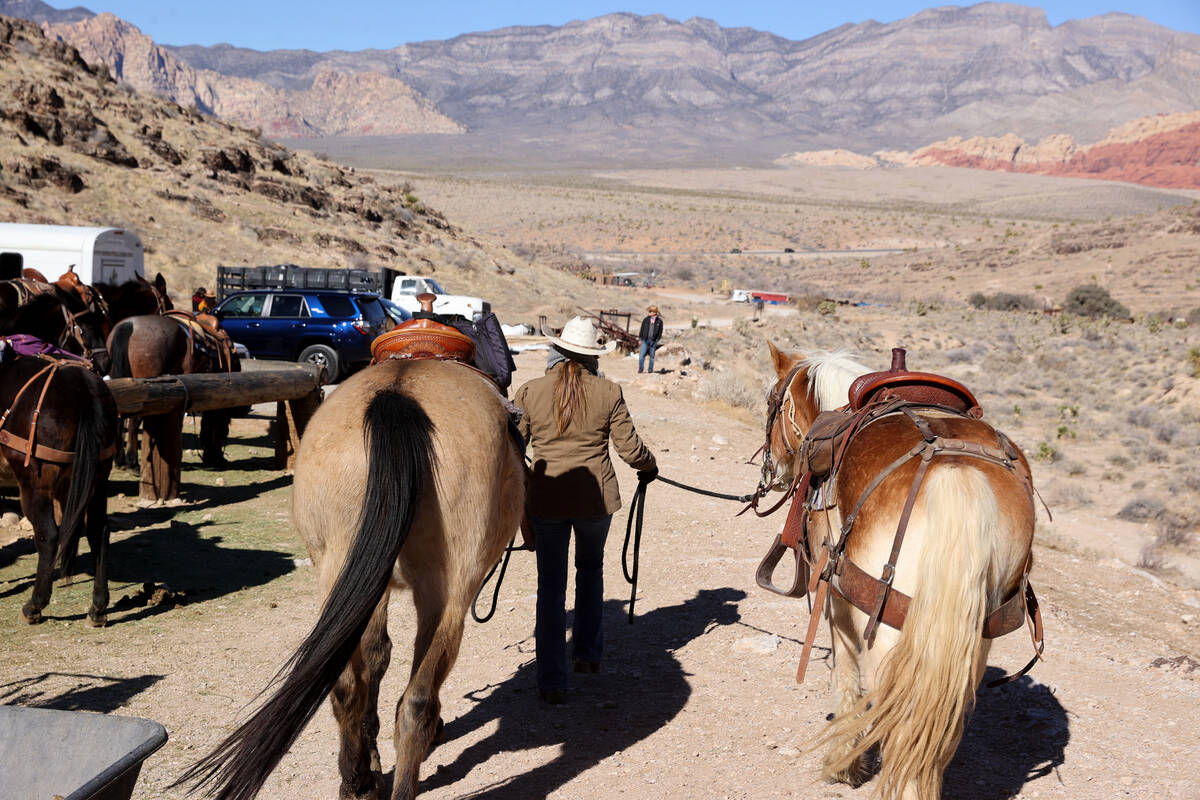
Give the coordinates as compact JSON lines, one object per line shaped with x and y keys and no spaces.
{"x":830,"y":375}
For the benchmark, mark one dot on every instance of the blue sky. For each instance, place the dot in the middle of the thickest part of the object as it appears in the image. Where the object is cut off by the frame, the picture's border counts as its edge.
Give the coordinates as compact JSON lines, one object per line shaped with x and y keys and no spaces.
{"x":359,"y":24}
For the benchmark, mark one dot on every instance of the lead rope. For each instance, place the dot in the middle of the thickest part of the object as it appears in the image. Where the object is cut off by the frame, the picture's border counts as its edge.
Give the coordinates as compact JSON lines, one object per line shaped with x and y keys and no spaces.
{"x":636,"y":509}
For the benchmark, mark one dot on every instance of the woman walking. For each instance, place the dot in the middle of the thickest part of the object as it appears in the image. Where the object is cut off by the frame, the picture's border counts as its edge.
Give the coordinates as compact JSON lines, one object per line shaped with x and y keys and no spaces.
{"x":570,"y":415}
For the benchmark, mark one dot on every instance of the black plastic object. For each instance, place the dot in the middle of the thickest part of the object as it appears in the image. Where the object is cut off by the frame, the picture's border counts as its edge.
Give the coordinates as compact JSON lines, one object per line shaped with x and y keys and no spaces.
{"x":75,"y":755}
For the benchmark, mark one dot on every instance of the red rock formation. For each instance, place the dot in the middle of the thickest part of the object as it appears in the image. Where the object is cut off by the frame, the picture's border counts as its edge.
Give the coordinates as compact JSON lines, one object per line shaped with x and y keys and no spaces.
{"x":1161,"y":151}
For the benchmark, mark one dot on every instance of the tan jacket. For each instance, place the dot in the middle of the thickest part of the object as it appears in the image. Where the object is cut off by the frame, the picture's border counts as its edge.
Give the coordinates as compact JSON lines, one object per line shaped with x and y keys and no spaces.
{"x":572,"y":473}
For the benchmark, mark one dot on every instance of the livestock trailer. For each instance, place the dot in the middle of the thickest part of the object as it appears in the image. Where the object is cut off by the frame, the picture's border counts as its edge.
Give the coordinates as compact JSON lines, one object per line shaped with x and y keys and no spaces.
{"x":99,"y":255}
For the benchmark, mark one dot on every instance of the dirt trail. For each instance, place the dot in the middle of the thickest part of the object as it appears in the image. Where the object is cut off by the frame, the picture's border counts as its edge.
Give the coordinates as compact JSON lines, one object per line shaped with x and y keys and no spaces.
{"x":696,"y":699}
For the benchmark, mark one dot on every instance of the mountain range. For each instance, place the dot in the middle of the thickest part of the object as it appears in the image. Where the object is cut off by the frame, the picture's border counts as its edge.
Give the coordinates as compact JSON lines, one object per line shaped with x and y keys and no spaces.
{"x":685,"y":86}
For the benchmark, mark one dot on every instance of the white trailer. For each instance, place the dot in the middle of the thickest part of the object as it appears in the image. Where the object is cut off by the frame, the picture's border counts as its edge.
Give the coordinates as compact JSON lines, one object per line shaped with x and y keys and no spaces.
{"x":99,"y":255}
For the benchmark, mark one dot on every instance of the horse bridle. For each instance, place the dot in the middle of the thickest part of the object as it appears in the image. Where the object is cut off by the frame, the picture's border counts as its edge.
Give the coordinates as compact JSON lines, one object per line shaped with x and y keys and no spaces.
{"x":779,"y":402}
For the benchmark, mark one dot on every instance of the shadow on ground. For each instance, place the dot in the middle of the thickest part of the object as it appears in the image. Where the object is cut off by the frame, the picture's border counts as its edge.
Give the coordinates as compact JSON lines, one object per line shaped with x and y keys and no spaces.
{"x":641,"y":688}
{"x":1018,"y":733}
{"x":75,"y":691}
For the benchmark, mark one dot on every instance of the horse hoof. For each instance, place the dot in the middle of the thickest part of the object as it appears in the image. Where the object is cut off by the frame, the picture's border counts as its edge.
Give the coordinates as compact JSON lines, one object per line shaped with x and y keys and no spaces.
{"x":97,"y":620}
{"x":30,"y":617}
{"x":347,"y":793}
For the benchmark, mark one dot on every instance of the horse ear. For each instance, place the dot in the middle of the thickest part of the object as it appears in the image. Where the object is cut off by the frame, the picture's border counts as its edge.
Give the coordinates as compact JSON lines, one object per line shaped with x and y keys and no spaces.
{"x":781,"y":360}
{"x":160,"y":283}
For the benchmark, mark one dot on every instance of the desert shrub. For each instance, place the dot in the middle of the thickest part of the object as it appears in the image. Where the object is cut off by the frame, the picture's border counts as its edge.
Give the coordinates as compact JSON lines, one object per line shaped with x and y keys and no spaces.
{"x":1140,"y":416}
{"x":1194,"y":361}
{"x":808,"y":302}
{"x":1003,"y":301}
{"x":1141,"y":508}
{"x":731,"y":389}
{"x":1173,"y":529}
{"x":1091,"y":300}
{"x":1166,"y":432}
{"x":1152,"y":557}
{"x":1193,"y":316}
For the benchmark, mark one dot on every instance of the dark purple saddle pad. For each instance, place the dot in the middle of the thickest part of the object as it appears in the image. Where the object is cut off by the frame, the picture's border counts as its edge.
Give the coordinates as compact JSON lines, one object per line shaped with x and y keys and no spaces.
{"x":22,"y":344}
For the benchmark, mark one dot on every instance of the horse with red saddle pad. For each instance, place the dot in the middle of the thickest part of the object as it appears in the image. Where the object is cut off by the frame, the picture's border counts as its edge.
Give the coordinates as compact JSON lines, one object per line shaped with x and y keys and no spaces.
{"x":911,"y":525}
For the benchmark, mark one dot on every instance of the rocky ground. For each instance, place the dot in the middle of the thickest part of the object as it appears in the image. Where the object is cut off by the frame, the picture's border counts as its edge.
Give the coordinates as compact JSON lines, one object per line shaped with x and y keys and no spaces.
{"x":697,"y":698}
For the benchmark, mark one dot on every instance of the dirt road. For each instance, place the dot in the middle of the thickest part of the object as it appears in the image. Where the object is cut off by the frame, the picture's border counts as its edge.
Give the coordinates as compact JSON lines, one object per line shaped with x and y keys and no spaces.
{"x":696,"y":699}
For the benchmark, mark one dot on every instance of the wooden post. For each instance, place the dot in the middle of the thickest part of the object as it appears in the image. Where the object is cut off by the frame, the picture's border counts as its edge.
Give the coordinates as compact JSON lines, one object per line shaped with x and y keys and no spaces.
{"x":164,"y":400}
{"x":162,"y":455}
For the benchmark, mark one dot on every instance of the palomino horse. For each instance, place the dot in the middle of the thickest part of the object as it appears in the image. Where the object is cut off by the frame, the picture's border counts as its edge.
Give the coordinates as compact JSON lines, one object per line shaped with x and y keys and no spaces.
{"x":966,"y":551}
{"x":406,"y":477}
{"x":57,"y":428}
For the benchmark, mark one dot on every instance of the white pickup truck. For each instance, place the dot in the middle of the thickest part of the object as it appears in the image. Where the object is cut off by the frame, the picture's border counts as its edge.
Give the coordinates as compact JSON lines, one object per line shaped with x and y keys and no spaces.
{"x":406,"y":288}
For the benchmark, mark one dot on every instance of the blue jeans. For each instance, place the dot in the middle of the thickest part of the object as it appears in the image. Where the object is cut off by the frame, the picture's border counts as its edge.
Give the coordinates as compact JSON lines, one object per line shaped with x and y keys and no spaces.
{"x":553,"y":542}
{"x":646,"y":347}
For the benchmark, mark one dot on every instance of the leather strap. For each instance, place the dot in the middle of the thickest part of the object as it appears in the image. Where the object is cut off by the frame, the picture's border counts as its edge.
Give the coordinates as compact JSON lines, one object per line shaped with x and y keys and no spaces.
{"x":889,"y":569}
{"x":814,"y":615}
{"x":43,"y":452}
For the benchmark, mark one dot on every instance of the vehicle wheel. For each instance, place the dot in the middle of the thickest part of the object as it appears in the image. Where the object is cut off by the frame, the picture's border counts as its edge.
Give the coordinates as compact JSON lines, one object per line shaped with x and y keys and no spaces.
{"x":323,"y":356}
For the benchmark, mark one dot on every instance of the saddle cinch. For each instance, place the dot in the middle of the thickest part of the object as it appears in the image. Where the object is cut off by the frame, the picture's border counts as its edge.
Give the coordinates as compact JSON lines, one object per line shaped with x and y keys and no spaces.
{"x":821,"y":567}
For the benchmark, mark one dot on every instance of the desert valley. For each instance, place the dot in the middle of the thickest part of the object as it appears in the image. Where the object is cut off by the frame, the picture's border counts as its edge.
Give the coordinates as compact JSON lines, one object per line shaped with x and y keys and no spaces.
{"x":957,"y":218}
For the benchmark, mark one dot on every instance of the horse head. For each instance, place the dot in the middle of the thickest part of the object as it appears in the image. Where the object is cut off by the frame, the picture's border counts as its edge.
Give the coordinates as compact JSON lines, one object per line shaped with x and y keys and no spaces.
{"x":87,"y":322}
{"x":804,"y":387}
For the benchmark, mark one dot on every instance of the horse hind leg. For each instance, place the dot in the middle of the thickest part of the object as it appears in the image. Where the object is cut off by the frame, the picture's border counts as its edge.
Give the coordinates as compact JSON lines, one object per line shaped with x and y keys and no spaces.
{"x":355,"y":699}
{"x":38,"y":506}
{"x":418,"y":714}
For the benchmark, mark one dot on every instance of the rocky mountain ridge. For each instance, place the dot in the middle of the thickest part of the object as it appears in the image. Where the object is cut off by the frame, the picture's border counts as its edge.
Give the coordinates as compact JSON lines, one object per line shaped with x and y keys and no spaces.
{"x":980,"y":69}
{"x":79,"y":148}
{"x":335,"y":103}
{"x":988,"y":69}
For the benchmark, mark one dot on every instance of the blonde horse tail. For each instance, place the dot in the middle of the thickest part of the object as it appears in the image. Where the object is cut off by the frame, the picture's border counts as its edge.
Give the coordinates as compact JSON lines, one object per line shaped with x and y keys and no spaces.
{"x":926,"y":685}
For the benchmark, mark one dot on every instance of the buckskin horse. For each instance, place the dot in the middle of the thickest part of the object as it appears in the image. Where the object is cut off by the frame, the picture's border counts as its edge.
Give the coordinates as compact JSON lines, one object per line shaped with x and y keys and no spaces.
{"x":56,"y":445}
{"x":906,"y":462}
{"x":406,"y":477}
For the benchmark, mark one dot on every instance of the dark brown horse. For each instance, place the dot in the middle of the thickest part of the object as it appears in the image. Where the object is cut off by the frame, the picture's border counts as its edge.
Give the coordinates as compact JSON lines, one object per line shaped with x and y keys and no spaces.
{"x":136,"y":297}
{"x":407,"y":477}
{"x":152,"y":346}
{"x":57,"y":429}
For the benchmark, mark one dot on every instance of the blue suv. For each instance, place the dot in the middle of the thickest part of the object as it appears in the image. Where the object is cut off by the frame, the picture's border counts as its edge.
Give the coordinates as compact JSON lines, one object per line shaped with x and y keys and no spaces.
{"x":331,"y":329}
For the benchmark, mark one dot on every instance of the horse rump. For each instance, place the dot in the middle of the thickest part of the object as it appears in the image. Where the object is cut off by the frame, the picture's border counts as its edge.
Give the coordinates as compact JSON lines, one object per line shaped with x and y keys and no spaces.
{"x":917,"y":711}
{"x":398,"y":436}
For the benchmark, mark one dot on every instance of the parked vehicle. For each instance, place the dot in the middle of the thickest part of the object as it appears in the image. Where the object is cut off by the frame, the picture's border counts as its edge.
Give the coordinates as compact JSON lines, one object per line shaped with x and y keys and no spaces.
{"x":99,"y":255}
{"x":406,"y":288}
{"x":755,"y":295}
{"x":393,"y":284}
{"x":331,"y":329}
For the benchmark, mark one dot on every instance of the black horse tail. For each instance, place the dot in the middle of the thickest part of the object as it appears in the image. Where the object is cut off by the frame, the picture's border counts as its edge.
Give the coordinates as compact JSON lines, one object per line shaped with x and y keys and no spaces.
{"x":118,"y":350}
{"x":89,"y":438}
{"x":400,"y":462}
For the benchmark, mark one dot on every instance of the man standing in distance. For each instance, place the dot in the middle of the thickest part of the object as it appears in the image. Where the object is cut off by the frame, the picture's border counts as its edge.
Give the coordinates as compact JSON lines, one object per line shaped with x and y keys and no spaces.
{"x":648,"y":336}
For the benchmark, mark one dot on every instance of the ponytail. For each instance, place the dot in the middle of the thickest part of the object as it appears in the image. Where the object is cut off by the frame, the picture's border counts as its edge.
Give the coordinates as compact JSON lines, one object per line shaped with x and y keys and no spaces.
{"x":568,"y":393}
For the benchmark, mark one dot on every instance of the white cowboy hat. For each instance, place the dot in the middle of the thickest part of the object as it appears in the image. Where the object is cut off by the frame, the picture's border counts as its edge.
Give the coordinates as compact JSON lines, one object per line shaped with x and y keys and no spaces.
{"x":580,"y":336}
